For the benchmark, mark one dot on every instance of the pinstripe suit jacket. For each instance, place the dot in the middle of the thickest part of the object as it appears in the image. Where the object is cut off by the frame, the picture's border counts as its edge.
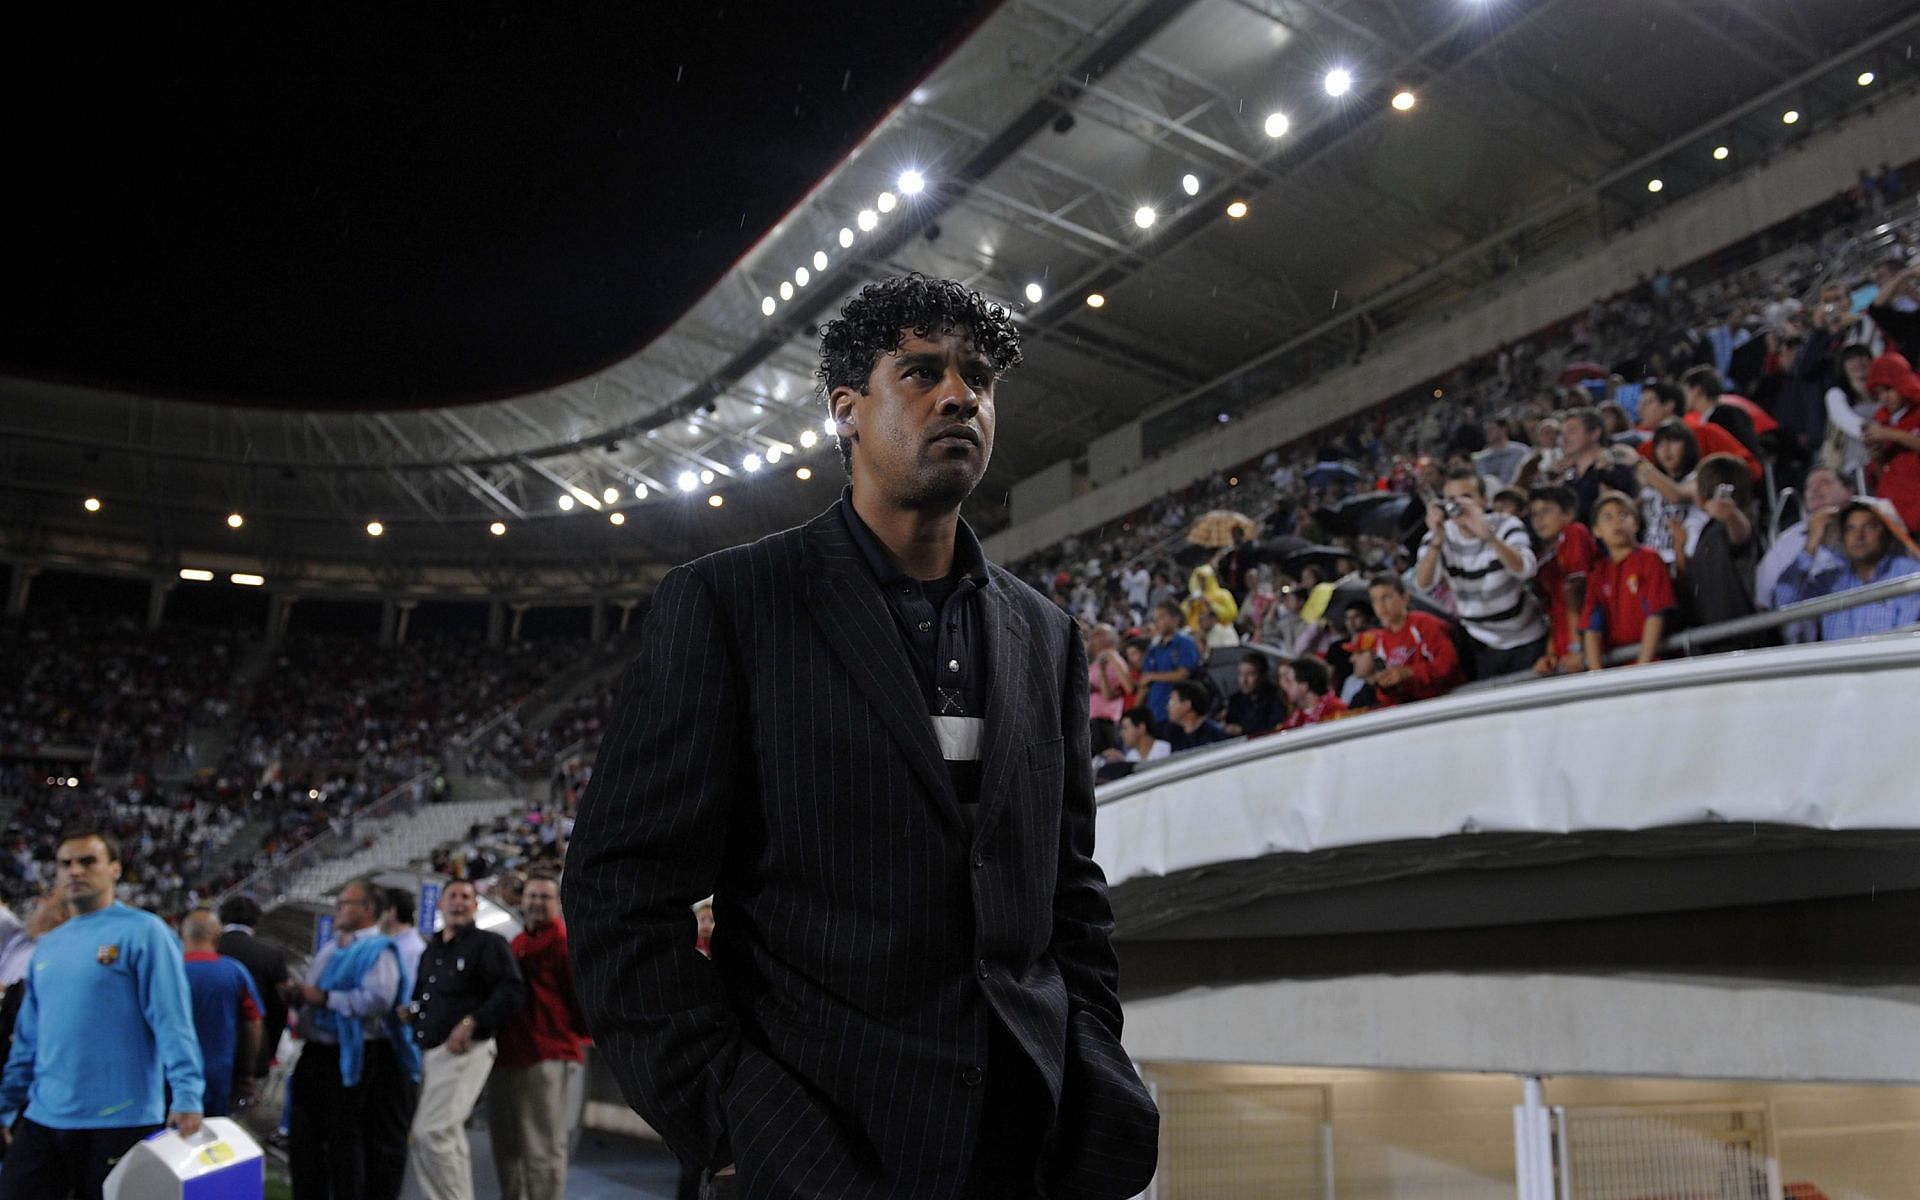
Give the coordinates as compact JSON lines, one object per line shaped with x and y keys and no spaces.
{"x":772,"y":747}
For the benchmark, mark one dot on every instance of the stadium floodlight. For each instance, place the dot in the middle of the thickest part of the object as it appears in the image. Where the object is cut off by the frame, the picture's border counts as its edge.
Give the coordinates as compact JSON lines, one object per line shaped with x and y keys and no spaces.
{"x":566,"y":503}
{"x":610,"y":496}
{"x":803,"y":474}
{"x":1144,"y":216}
{"x":1865,"y":79}
{"x":235,"y":520}
{"x":498,"y":529}
{"x":618,"y":518}
{"x":807,"y":439}
{"x":750,"y":463}
{"x":1655,"y":185}
{"x":1404,"y":101}
{"x":1277,"y":124}
{"x":91,"y":504}
{"x":819,"y":260}
{"x":1034,"y":293}
{"x":245,"y":579}
{"x":639,"y":491}
{"x":1339,"y":81}
{"x":1190,"y":184}
{"x":867,"y":220}
{"x":773,"y":455}
{"x":196,"y":575}
{"x":767,"y":305}
{"x":706,"y":476}
{"x":1790,"y":117}
{"x":688,"y":481}
{"x":1237,"y":209}
{"x":786,"y":290}
{"x":375,"y":529}
{"x":1096,"y":300}
{"x":886,"y":202}
{"x":912,"y":183}
{"x":715,"y":500}
{"x":1720,"y":153}
{"x":802,"y":276}
{"x":846,"y":237}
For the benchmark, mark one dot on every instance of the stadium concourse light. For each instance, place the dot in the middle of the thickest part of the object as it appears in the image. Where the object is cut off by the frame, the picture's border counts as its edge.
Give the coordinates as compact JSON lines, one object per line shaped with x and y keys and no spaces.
{"x":819,"y":260}
{"x":767,"y":305}
{"x":786,"y":290}
{"x":235,"y":520}
{"x":1654,"y":185}
{"x":1144,"y":216}
{"x":91,"y":504}
{"x":803,"y":474}
{"x":773,"y":454}
{"x":750,"y":463}
{"x":1190,"y":184}
{"x":688,"y":481}
{"x":1237,"y":209}
{"x":912,"y":183}
{"x":886,"y":202}
{"x":1790,"y":117}
{"x":498,"y":529}
{"x":375,"y":529}
{"x":618,"y":518}
{"x":639,"y":491}
{"x":715,"y":500}
{"x":610,"y":496}
{"x":196,"y":575}
{"x":245,"y":579}
{"x":1034,"y":293}
{"x":1339,"y":81}
{"x":802,"y":276}
{"x":566,"y":503}
{"x":706,"y":476}
{"x":1865,"y":79}
{"x":1404,"y":101}
{"x":1720,"y":153}
{"x":846,"y":237}
{"x":807,"y":439}
{"x":867,"y":220}
{"x":1096,"y":300}
{"x":1277,"y":124}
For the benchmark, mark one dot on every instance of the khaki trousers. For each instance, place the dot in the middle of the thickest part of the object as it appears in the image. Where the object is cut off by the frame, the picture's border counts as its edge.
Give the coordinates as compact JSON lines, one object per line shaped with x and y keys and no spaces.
{"x":527,"y":1114}
{"x":441,"y":1158}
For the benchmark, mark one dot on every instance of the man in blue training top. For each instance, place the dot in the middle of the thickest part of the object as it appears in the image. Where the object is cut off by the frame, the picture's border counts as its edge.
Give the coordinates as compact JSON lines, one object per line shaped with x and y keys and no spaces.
{"x":226,"y":1011}
{"x":106,"y":1015}
{"x":1173,"y":657}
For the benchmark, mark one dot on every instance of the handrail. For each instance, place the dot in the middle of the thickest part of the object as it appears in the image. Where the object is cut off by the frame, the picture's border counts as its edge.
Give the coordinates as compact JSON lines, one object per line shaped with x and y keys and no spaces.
{"x":1502,"y":693}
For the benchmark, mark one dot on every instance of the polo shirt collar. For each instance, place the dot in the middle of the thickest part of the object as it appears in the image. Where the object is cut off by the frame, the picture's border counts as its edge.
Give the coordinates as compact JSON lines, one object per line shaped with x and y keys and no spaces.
{"x":969,"y":558}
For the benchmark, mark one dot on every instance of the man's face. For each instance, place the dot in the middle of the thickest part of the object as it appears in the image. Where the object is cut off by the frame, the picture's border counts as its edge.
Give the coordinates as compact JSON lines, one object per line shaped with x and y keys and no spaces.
{"x":1697,"y":399}
{"x":1291,"y":687}
{"x":1575,"y":438}
{"x":1177,"y":707}
{"x":1164,"y":622}
{"x":352,"y":909}
{"x":1390,"y":605}
{"x":1825,"y":489}
{"x":1654,"y":410}
{"x":1249,"y":678}
{"x":457,"y":903}
{"x":540,"y":902}
{"x":1135,"y":736}
{"x":1865,"y":537}
{"x":1496,"y":433}
{"x":1462,"y":490}
{"x":1546,"y":435}
{"x":1354,"y":619}
{"x":1206,"y":619}
{"x":87,"y":875}
{"x":1549,"y":520}
{"x":923,"y":431}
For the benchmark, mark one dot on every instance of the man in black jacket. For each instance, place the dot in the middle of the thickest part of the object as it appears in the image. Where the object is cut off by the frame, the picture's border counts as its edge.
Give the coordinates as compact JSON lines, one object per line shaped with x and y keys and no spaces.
{"x":469,"y":986}
{"x":870,"y":745}
{"x":267,"y":963}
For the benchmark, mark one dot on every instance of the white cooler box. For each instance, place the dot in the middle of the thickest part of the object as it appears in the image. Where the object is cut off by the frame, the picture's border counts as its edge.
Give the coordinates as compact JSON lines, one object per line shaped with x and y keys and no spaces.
{"x":219,"y":1163}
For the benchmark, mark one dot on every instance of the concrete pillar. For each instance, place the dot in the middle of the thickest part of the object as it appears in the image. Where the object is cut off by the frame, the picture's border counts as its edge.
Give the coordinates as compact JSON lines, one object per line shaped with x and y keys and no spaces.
{"x":599,"y":611}
{"x":496,"y":622}
{"x":519,"y":611}
{"x":389,"y":618}
{"x":626,"y":613}
{"x":157,"y":601}
{"x":18,"y":587}
{"x":406,"y":613}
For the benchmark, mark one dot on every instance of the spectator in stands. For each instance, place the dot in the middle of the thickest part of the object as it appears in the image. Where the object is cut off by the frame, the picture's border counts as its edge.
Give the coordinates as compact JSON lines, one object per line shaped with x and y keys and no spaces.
{"x":1896,"y":307}
{"x":1875,"y":546}
{"x":1137,"y":738}
{"x":1893,"y":436}
{"x":227,"y":1013}
{"x":105,"y":1022}
{"x":1588,"y":466}
{"x":1670,"y":513}
{"x":1503,"y":456}
{"x":1704,"y":390}
{"x":1487,"y":560}
{"x":1414,"y":650}
{"x":540,"y":1056}
{"x":1569,"y":554}
{"x":1629,"y":592}
{"x":1188,"y":726}
{"x":1661,"y":402}
{"x":1849,"y":406}
{"x":1136,"y":583}
{"x":1307,"y":684}
{"x":1715,"y":577}
{"x":469,"y":987}
{"x":1172,"y":657}
{"x":1257,"y":707}
{"x":267,"y":964}
{"x":1108,"y":684}
{"x":1826,"y":490}
{"x":1213,"y":635}
{"x":396,"y":922}
{"x":1545,"y":461}
{"x":352,"y":1094}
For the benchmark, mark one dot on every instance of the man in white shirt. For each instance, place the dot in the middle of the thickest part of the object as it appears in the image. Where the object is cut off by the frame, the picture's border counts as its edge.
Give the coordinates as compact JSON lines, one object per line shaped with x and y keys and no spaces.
{"x":396,"y":921}
{"x":1136,"y":734}
{"x":1825,"y":489}
{"x":1487,"y":558}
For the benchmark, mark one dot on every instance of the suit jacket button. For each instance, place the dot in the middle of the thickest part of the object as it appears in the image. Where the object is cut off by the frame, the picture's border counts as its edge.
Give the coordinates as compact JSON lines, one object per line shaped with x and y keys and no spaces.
{"x":973,"y":1076}
{"x":979,"y":861}
{"x":983,"y":968}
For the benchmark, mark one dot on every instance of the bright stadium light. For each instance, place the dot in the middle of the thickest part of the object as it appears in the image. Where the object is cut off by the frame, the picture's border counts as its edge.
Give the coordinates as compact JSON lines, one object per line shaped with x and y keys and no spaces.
{"x":802,"y":276}
{"x":706,"y":476}
{"x":244,"y":579}
{"x":803,"y":474}
{"x":846,"y":237}
{"x":750,"y":463}
{"x":807,"y":438}
{"x":688,"y":481}
{"x":235,"y":520}
{"x":1096,"y":300}
{"x":1790,"y":117}
{"x":715,"y":500}
{"x":867,"y":220}
{"x":1190,"y":184}
{"x":91,"y":504}
{"x":912,"y":183}
{"x":1404,"y":101}
{"x":767,"y":305}
{"x":1144,"y":216}
{"x":773,"y":455}
{"x":618,"y":518}
{"x":566,"y":503}
{"x":610,"y":496}
{"x":1034,"y":293}
{"x":639,"y":491}
{"x":1720,"y":153}
{"x":1277,"y":124}
{"x":498,"y":529}
{"x":786,"y":290}
{"x":196,"y":575}
{"x":832,"y":429}
{"x":1339,"y":81}
{"x":1865,"y":79}
{"x":1654,"y":185}
{"x":886,"y":202}
{"x":375,"y":529}
{"x":819,"y":260}
{"x":1237,"y":209}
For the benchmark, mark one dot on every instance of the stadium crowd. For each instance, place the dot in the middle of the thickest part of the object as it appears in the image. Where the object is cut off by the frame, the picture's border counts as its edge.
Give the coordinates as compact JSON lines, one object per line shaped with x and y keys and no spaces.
{"x":1701,"y":448}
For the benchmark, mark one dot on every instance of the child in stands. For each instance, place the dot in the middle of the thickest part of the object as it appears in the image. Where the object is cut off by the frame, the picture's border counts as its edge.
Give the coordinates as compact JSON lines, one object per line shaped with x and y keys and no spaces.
{"x":1629,"y":592}
{"x":1568,"y":552}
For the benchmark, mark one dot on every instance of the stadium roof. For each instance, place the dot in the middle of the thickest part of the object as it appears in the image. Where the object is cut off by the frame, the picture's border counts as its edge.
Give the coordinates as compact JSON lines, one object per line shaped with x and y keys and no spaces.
{"x":1040,"y":137}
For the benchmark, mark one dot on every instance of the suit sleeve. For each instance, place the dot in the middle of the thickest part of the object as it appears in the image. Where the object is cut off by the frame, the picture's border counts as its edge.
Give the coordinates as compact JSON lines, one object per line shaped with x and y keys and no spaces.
{"x":646,"y":847}
{"x":1082,"y":944}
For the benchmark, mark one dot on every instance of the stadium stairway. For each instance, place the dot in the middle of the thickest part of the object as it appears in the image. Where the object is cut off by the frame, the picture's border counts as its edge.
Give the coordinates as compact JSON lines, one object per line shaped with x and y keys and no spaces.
{"x":400,"y":840}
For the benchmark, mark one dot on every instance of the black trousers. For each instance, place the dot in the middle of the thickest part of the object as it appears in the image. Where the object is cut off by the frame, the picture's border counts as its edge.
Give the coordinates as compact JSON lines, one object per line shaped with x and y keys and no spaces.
{"x":348,"y":1143}
{"x":1489,"y":663}
{"x":53,"y":1164}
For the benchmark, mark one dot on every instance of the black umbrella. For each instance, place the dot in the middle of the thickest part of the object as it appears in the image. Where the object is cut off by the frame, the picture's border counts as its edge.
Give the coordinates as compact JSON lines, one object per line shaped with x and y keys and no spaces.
{"x":1276,"y":549}
{"x":1376,"y":514}
{"x":1323,"y":473}
{"x":1327,"y":558}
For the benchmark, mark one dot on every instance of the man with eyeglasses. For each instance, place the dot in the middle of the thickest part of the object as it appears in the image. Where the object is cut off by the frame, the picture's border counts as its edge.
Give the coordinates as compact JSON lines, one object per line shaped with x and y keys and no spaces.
{"x":354,"y":1088}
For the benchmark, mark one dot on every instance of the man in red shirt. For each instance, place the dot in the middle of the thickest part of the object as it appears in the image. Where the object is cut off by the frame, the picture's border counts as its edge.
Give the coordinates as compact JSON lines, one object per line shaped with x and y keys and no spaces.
{"x":1893,"y":437}
{"x":540,"y":1056}
{"x":1629,"y":592}
{"x":1568,"y":555}
{"x":1662,"y":401}
{"x":1414,"y":649}
{"x":1307,"y":684}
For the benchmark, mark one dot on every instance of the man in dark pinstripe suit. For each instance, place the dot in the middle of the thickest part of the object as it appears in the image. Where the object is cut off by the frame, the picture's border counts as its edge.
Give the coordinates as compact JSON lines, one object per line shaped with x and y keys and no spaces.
{"x":871,"y":746}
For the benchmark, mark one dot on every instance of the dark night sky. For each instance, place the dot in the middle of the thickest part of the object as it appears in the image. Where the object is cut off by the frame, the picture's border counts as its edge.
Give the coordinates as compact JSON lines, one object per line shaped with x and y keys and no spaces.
{"x":392,"y":206}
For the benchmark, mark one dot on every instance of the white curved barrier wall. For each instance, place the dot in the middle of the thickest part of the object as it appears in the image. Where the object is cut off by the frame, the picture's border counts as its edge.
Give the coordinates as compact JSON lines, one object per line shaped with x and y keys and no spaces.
{"x":1813,"y":736}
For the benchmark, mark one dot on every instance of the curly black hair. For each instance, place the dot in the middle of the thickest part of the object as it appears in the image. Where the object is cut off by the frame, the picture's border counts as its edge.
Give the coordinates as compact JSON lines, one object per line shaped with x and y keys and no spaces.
{"x":876,"y":319}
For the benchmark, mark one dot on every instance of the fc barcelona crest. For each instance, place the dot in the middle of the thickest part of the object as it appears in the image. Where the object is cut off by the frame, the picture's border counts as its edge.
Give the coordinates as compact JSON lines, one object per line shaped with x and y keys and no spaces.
{"x":108,"y":955}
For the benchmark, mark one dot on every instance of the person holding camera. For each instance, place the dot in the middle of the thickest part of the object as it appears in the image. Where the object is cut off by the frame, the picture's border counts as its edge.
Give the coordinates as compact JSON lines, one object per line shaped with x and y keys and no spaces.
{"x":1487,"y":559}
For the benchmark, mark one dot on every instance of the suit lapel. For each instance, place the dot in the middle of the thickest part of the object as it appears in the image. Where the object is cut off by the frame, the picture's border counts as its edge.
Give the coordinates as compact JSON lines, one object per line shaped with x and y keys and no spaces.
{"x":847,"y":608}
{"x":1005,"y":631}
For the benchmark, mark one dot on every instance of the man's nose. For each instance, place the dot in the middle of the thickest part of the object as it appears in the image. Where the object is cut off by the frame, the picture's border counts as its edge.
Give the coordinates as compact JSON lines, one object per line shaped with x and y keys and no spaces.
{"x":957,"y":398}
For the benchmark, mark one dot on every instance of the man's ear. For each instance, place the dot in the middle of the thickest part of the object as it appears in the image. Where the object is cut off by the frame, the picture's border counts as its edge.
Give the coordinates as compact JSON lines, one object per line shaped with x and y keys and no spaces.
{"x":841,"y":402}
